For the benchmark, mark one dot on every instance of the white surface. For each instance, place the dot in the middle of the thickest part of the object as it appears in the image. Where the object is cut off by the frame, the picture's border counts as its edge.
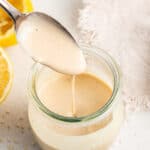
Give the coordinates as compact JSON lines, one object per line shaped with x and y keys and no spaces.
{"x":12,"y":134}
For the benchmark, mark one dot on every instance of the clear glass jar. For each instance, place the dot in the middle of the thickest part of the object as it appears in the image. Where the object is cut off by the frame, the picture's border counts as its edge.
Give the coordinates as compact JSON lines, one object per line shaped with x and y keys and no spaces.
{"x":99,"y":129}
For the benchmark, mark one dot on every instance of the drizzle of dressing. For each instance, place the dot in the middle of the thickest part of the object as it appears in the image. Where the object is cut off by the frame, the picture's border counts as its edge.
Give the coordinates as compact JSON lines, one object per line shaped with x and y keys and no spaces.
{"x":73,"y":96}
{"x":49,"y":44}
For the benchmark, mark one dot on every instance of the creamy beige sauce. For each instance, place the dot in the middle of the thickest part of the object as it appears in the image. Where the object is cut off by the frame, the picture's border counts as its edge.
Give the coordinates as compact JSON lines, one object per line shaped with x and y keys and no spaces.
{"x":75,"y":96}
{"x":47,"y":43}
{"x":78,"y":96}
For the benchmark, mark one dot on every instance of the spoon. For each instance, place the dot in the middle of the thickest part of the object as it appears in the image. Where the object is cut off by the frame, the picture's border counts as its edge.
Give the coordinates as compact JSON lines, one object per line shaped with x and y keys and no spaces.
{"x":18,"y":17}
{"x":71,"y":61}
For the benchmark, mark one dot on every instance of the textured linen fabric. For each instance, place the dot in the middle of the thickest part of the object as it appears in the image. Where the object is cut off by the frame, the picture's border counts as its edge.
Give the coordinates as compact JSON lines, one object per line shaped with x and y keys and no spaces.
{"x":122,"y":27}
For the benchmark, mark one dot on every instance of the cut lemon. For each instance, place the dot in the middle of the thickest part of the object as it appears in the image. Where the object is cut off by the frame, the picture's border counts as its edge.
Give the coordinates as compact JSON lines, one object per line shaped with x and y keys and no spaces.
{"x":6,"y":75}
{"x":7,"y":34}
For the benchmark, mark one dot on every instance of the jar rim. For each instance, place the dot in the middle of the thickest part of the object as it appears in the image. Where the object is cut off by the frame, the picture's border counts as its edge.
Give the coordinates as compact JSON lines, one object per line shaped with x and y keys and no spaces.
{"x":116,"y":76}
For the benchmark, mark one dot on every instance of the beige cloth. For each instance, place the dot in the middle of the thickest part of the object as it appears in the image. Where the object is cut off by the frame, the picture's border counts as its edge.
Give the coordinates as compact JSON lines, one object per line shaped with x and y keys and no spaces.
{"x":122,"y":27}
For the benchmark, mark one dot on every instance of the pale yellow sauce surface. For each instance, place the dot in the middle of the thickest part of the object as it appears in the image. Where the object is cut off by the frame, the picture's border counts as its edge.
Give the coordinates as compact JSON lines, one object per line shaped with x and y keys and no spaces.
{"x":74,"y":96}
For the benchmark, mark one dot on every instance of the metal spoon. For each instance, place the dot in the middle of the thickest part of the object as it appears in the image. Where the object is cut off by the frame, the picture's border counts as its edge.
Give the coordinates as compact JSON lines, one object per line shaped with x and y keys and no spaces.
{"x":18,"y":17}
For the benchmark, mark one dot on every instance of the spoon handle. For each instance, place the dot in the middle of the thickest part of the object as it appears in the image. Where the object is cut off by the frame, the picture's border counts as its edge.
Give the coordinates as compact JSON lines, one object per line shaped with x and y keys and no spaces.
{"x":11,"y":10}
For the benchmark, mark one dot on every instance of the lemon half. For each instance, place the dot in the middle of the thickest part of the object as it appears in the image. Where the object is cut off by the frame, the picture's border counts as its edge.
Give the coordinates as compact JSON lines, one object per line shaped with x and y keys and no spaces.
{"x":7,"y":34}
{"x":6,"y":75}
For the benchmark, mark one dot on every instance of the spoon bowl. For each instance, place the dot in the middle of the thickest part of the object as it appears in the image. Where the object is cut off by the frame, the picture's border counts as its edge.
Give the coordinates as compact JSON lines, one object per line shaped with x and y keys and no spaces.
{"x":56,"y":49}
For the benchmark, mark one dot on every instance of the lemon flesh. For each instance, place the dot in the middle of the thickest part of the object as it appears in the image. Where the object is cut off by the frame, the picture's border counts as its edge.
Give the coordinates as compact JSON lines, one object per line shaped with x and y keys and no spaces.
{"x":6,"y":75}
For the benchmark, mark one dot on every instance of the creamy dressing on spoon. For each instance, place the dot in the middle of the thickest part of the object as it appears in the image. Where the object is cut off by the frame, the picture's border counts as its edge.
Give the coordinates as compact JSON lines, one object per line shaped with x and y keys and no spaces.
{"x":49,"y":44}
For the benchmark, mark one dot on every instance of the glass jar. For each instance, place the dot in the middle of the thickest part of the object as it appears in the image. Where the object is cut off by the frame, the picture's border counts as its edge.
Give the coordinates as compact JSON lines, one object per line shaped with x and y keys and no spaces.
{"x":53,"y":131}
